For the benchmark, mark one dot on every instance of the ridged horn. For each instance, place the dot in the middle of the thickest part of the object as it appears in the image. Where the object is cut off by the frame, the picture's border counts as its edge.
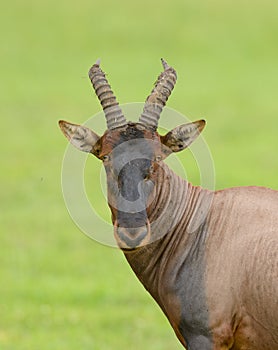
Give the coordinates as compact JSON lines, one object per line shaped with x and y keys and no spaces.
{"x":113,"y":113}
{"x":157,"y":99}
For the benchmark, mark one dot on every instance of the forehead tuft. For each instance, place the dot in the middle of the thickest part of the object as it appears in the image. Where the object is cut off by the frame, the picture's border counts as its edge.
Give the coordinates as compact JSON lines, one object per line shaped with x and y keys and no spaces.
{"x":128,"y":132}
{"x":132,"y":131}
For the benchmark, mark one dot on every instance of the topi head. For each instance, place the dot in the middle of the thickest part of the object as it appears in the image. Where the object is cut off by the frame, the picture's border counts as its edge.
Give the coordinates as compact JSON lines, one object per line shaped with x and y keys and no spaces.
{"x":131,"y":153}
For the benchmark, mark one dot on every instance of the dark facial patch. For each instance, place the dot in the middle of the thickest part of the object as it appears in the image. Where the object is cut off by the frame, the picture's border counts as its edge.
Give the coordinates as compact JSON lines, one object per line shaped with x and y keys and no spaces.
{"x":133,"y":191}
{"x":132,"y":220}
{"x":131,"y":176}
{"x":132,"y":150}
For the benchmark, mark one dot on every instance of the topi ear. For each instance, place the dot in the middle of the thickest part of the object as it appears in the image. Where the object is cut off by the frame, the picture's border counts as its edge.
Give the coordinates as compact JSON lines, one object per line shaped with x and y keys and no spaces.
{"x":182,"y":136}
{"x":79,"y":136}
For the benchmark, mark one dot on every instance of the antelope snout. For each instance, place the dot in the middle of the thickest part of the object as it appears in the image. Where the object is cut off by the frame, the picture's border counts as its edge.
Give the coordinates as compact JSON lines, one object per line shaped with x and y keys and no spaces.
{"x":132,"y":237}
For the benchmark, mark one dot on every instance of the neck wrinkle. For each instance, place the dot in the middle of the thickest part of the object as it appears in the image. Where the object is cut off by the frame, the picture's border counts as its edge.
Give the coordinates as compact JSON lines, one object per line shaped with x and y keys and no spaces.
{"x":174,"y":199}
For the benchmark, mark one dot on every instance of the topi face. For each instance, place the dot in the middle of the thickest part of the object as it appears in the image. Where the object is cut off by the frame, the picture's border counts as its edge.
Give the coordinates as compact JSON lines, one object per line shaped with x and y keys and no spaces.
{"x":131,"y":153}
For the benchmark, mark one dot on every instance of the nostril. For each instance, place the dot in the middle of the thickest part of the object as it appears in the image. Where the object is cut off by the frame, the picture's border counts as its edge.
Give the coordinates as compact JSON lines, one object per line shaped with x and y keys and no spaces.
{"x":133,"y":232}
{"x":131,"y":237}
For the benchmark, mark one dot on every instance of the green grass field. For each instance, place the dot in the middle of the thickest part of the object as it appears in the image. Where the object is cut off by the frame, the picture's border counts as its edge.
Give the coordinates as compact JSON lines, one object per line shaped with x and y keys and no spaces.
{"x":59,"y":289}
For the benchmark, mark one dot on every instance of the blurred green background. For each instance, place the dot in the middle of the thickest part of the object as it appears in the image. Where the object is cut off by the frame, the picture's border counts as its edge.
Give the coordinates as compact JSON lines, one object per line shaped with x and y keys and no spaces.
{"x":59,"y":289}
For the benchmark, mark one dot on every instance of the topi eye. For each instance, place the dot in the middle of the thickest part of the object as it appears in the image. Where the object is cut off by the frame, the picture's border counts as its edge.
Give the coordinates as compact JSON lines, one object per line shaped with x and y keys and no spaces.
{"x":158,"y":158}
{"x":148,"y":174}
{"x":105,"y":158}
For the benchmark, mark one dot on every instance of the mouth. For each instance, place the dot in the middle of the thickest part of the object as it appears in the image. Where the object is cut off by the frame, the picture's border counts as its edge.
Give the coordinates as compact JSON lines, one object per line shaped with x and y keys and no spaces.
{"x":131,"y":238}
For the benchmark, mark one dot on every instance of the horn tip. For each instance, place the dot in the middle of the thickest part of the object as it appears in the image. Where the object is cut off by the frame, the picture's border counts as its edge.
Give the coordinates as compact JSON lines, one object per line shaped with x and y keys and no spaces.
{"x":164,"y":64}
{"x":94,"y":66}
